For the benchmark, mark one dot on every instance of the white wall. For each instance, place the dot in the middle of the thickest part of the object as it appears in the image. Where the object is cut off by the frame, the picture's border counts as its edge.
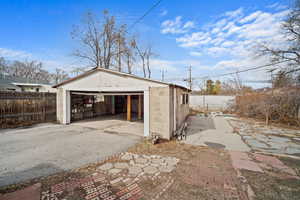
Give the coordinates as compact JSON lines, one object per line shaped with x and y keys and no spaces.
{"x":210,"y":101}
{"x":104,"y":81}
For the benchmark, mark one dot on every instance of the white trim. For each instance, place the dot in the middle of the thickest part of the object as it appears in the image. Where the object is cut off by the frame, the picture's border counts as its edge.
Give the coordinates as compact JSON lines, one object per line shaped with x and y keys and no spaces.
{"x":109,"y":89}
{"x":146,"y":114}
{"x":175,"y":105}
{"x":108,"y":94}
{"x":66,"y":107}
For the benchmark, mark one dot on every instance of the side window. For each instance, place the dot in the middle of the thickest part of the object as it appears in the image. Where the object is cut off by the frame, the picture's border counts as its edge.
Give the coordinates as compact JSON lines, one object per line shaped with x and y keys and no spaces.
{"x":187,"y":99}
{"x":183,"y":99}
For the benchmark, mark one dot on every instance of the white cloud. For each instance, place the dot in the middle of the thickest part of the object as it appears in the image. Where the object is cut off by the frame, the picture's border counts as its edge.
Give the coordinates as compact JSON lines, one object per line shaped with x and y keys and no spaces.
{"x":234,"y":13}
{"x":189,"y":25}
{"x":277,"y":6}
{"x":48,"y":63}
{"x":237,"y":35}
{"x":176,"y":26}
{"x":163,"y":13}
{"x":227,"y":44}
{"x":196,"y":53}
{"x":14,"y":54}
{"x":194,"y":39}
{"x":230,"y":42}
{"x":214,"y":51}
{"x":250,"y":17}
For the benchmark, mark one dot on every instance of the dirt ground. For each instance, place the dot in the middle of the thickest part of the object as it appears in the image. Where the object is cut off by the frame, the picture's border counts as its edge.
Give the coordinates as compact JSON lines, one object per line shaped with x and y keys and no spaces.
{"x":201,"y":173}
{"x":174,"y":170}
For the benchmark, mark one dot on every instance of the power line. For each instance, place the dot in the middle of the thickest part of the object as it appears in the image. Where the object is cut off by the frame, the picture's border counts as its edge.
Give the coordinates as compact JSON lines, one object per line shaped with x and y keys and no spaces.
{"x":291,"y":71}
{"x":231,"y":73}
{"x":145,"y":14}
{"x":246,"y":70}
{"x":142,"y":17}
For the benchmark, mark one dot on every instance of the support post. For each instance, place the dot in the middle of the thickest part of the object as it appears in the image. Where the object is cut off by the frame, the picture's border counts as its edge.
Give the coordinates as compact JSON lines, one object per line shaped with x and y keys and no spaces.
{"x":113,"y":111}
{"x":66,"y":107}
{"x":146,"y":113}
{"x":175,"y":110}
{"x":140,"y":107}
{"x":128,"y":107}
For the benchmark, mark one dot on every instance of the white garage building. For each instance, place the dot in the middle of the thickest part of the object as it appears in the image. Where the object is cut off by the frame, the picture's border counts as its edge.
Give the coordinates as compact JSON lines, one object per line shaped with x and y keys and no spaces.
{"x":162,"y":107}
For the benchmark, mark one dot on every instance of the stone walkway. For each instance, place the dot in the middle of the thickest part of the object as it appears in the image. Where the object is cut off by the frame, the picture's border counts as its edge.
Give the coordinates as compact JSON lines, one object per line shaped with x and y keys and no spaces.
{"x":268,"y":139}
{"x":117,"y":179}
{"x":140,"y":165}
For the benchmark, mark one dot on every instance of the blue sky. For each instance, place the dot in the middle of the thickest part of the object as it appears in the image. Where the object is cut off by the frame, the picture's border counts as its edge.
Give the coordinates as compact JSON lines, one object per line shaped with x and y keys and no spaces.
{"x":213,"y":36}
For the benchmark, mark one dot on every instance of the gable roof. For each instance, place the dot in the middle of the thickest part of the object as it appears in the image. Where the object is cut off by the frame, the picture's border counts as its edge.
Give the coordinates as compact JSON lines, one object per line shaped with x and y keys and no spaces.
{"x":116,"y":73}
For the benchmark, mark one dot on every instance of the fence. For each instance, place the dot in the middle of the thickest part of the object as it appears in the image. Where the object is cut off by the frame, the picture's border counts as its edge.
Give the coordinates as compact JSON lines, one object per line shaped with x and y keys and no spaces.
{"x":210,"y":102}
{"x":26,"y":108}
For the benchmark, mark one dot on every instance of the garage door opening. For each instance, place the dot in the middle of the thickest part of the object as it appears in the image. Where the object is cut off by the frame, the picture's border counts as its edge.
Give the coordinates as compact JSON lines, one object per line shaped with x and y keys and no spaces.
{"x":109,"y":111}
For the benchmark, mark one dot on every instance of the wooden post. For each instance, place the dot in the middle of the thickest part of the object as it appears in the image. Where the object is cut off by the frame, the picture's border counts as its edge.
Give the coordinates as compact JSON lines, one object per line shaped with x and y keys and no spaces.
{"x":128,"y":108}
{"x":113,"y":111}
{"x":140,"y":107}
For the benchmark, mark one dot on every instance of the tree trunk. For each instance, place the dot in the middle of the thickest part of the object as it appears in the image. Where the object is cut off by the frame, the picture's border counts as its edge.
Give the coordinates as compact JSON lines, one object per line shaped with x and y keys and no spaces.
{"x":148,"y":67}
{"x":267,"y":118}
{"x":144,"y":70}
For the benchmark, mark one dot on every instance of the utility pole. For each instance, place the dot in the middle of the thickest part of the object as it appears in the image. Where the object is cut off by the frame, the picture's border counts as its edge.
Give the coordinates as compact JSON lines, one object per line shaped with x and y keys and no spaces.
{"x":162,"y":74}
{"x":190,"y":77}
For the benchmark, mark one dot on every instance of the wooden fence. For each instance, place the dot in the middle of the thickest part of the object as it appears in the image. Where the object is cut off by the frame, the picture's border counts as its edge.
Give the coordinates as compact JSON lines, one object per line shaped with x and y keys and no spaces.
{"x":26,"y":108}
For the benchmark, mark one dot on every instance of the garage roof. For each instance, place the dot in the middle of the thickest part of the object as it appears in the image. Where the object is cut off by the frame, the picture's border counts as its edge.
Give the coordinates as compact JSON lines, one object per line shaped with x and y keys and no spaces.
{"x":116,"y":73}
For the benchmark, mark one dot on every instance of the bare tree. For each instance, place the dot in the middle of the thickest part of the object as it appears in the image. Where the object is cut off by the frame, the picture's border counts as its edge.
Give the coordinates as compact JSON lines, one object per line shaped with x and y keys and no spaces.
{"x":29,"y":70}
{"x":291,"y":28}
{"x":3,"y":65}
{"x":97,"y":40}
{"x":142,"y":54}
{"x":59,"y":75}
{"x":148,"y":55}
{"x":130,"y":54}
{"x":145,"y":56}
{"x":121,"y":46}
{"x":78,"y":70}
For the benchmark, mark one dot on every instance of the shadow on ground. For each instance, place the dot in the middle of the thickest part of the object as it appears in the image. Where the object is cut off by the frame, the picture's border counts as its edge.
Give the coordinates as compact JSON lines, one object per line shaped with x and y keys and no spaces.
{"x":197,"y":124}
{"x":40,"y":170}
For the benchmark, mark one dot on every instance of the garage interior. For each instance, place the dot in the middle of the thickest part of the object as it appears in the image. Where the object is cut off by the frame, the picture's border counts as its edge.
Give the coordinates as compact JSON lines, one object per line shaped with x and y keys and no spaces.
{"x":113,"y":112}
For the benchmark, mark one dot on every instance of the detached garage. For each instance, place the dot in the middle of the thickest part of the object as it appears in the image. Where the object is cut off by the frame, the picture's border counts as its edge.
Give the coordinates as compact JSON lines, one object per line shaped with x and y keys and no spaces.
{"x":98,"y":93}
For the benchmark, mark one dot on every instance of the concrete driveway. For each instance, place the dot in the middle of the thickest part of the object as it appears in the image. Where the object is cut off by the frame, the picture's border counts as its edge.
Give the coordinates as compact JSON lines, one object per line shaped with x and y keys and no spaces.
{"x":49,"y":148}
{"x":214,"y":132}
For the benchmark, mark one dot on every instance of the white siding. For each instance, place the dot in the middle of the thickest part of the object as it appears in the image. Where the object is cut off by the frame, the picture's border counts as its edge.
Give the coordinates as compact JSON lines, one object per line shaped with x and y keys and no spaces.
{"x":105,"y":81}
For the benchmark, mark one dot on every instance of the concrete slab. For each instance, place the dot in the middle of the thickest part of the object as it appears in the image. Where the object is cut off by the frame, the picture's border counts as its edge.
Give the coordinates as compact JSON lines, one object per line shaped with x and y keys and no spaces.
{"x":241,"y":160}
{"x":134,"y":128}
{"x":113,"y":124}
{"x":39,"y":151}
{"x":222,"y":135}
{"x":275,"y":163}
{"x":268,"y":139}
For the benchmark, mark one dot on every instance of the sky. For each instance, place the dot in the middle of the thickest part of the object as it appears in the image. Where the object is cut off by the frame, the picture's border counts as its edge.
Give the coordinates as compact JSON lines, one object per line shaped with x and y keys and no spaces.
{"x":214,"y":37}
